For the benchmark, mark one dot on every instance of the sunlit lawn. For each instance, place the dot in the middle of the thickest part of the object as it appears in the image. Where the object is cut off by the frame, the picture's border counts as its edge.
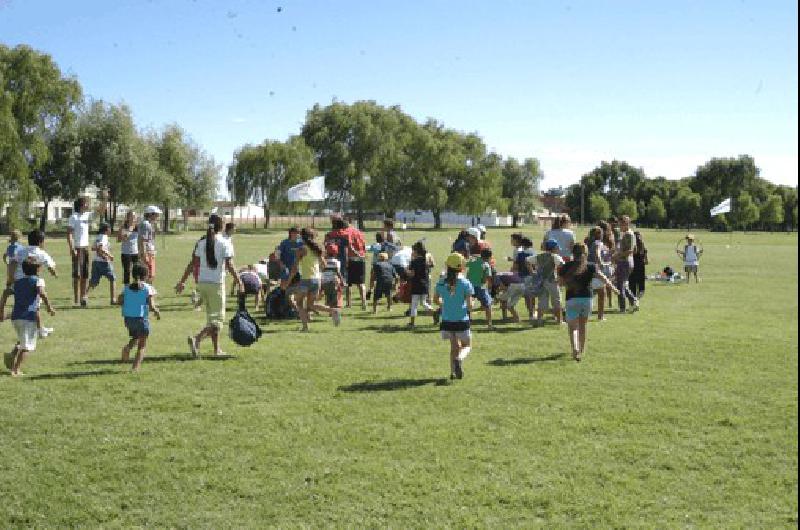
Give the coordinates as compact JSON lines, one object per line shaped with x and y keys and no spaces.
{"x":684,"y":414}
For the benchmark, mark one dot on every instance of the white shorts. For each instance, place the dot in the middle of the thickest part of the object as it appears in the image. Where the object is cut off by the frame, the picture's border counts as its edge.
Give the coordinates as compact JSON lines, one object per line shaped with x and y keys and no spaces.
{"x":416,"y":300}
{"x":463,"y":336}
{"x":27,"y":334}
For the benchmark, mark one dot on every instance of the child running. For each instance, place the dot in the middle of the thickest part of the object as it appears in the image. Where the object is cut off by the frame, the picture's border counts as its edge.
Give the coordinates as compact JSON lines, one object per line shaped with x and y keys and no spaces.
{"x":101,"y":264}
{"x":33,"y":252}
{"x":136,"y":299}
{"x":418,"y":273}
{"x":547,"y":266}
{"x":28,"y":291}
{"x":577,"y":276}
{"x":382,"y":280}
{"x":479,"y":274}
{"x":454,"y":294}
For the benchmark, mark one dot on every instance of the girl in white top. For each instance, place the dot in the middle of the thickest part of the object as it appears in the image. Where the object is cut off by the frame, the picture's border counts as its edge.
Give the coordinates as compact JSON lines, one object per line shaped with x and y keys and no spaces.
{"x":563,"y":234}
{"x":691,"y":258}
{"x":213,"y":256}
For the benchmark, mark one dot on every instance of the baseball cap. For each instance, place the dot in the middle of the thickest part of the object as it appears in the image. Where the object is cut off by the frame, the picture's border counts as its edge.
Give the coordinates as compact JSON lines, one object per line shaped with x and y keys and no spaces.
{"x":550,"y":244}
{"x":152,"y":209}
{"x":474,"y":232}
{"x":455,"y":261}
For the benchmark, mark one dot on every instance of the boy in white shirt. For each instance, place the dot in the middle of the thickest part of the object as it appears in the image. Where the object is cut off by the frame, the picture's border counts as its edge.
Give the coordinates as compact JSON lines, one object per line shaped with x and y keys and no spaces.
{"x":101,"y":264}
{"x":332,"y":279}
{"x":33,"y":252}
{"x":691,"y":258}
{"x":78,"y":242}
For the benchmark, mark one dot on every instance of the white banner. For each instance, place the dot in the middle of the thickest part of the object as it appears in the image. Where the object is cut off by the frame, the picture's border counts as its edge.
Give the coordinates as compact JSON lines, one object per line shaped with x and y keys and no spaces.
{"x":723,"y":207}
{"x":310,"y":190}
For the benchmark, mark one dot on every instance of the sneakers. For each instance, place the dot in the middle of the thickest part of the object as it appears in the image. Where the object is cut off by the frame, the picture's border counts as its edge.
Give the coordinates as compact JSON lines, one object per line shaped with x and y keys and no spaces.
{"x":45,"y":332}
{"x":193,"y":347}
{"x":462,"y":354}
{"x":84,"y":303}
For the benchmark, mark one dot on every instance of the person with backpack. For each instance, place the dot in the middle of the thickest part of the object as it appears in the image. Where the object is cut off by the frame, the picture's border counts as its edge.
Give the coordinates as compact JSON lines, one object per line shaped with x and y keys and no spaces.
{"x":213,"y":257}
{"x":547,"y":265}
{"x":691,"y":258}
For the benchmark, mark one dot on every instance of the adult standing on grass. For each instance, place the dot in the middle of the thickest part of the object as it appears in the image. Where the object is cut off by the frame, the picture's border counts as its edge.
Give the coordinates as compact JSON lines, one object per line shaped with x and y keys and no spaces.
{"x":309,"y":263}
{"x":212,"y":256}
{"x":561,"y":231}
{"x":640,"y":262}
{"x":623,"y":262}
{"x":128,"y":238}
{"x":78,"y":242}
{"x":147,"y":240}
{"x":287,"y":252}
{"x":454,"y":294}
{"x":577,"y":276}
{"x":600,"y":257}
{"x":610,"y":242}
{"x":352,"y":251}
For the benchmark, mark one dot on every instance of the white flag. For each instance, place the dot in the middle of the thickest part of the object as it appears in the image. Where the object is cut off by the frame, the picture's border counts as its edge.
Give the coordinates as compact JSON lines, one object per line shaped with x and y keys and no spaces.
{"x":310,"y":190}
{"x":723,"y":207}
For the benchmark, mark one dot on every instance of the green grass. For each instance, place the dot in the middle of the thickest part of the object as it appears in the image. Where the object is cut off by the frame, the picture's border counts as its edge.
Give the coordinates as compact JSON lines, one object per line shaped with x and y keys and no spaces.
{"x":684,"y":414}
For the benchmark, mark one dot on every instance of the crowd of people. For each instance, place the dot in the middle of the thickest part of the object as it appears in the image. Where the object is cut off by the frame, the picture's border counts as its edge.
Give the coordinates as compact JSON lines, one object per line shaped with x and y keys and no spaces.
{"x":559,"y":275}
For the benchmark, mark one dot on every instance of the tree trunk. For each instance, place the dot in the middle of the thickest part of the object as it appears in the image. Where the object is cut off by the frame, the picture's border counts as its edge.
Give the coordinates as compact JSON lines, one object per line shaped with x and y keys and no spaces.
{"x":514,"y":220}
{"x":360,"y":217}
{"x":437,"y":218}
{"x":166,"y":217}
{"x":43,"y":218}
{"x":114,"y":207}
{"x":267,"y":216}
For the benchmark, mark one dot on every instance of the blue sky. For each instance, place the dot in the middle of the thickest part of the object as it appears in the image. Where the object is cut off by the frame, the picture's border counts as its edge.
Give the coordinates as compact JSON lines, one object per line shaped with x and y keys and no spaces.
{"x":663,"y":85}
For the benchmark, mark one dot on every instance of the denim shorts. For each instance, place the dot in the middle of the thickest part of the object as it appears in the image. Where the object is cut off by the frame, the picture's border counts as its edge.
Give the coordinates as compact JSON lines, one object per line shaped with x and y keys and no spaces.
{"x":307,"y":286}
{"x":483,"y":296}
{"x":138,"y":327}
{"x":100,"y":270}
{"x":579,"y":308}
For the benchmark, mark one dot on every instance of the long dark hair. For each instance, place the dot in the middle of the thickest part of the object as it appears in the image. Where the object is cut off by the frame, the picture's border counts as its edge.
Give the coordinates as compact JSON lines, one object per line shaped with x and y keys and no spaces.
{"x":580,"y":258}
{"x":214,"y":227}
{"x":452,"y":276}
{"x":641,"y":250}
{"x":608,"y":234}
{"x":308,"y":235}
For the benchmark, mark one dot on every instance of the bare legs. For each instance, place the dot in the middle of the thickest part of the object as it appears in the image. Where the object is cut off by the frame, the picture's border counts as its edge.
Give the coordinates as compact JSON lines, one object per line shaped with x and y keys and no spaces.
{"x":601,"y":303}
{"x":141,"y":346}
{"x":577,"y":336}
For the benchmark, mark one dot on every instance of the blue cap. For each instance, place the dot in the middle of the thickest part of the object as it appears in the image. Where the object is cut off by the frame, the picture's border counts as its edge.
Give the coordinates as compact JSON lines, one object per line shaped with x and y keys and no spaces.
{"x":550,"y":244}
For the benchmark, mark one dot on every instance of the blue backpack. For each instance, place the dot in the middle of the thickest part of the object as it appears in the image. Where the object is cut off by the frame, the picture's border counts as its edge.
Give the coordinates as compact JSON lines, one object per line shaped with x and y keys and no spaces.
{"x":243,"y":329}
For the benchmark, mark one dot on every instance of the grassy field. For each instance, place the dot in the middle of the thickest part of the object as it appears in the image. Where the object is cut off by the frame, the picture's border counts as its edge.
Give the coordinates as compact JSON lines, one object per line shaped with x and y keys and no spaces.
{"x":681,"y":415}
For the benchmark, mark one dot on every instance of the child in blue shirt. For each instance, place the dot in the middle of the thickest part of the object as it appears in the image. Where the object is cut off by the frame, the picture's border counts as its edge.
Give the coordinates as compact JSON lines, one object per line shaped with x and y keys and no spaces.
{"x":28,"y":291}
{"x":454,"y":294}
{"x":136,"y":299}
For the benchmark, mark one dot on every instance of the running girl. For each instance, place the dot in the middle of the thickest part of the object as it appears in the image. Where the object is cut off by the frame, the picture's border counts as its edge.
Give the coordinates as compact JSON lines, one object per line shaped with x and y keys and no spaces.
{"x":137,"y":299}
{"x":454,"y":294}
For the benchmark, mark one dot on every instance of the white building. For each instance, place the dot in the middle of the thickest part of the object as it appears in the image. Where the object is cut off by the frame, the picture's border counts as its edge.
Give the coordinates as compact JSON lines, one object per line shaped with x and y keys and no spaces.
{"x":451,"y":218}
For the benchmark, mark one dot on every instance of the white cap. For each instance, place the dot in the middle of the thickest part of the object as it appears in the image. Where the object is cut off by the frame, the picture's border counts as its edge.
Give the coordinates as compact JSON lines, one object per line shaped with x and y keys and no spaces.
{"x":475,"y":232}
{"x":152,"y":209}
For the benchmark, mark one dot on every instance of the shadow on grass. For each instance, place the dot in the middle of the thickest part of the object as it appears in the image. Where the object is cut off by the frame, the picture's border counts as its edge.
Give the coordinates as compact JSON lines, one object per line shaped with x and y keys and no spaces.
{"x":392,"y":384}
{"x":386,"y":328}
{"x":178,"y":358}
{"x":526,"y":360}
{"x":71,"y":375}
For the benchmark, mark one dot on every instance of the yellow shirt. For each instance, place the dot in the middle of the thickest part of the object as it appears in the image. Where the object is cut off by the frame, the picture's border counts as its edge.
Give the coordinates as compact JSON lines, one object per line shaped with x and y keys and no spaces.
{"x":309,"y":266}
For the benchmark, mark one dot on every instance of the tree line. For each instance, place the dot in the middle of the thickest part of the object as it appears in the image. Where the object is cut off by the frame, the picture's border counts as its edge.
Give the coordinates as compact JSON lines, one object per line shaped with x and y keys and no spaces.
{"x":619,"y":188}
{"x":379,"y":159}
{"x":55,"y":143}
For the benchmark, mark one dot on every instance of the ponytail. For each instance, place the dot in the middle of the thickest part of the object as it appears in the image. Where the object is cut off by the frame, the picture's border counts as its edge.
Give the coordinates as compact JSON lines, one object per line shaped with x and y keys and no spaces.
{"x":580,"y":259}
{"x":307,"y":235}
{"x":214,"y":227}
{"x":452,"y":276}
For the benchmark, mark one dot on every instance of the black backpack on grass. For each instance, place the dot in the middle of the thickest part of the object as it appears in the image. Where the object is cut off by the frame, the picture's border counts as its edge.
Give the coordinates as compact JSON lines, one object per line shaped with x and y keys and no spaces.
{"x":277,"y":305}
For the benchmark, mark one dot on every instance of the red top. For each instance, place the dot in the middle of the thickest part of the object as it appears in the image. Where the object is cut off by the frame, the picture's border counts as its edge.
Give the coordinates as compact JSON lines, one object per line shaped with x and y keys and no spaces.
{"x":355,"y":240}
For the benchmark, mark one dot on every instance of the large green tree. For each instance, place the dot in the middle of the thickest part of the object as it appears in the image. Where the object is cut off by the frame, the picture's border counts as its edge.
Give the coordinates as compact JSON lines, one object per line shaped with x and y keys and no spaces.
{"x":771,"y":214}
{"x":599,"y":209}
{"x":656,"y":213}
{"x":521,"y":186}
{"x":745,"y":210}
{"x":628,"y":207}
{"x":685,"y":207}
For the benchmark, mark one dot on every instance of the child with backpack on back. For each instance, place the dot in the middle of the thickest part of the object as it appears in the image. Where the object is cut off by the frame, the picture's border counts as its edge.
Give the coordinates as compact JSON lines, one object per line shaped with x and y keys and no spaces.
{"x":547,"y":265}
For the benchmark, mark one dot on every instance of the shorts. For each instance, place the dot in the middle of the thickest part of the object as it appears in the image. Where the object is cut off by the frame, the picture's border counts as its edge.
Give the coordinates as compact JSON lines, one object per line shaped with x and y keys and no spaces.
{"x":251,"y":283}
{"x":416,"y":300}
{"x":550,"y":295}
{"x":356,"y":272}
{"x":483,"y":296}
{"x":597,"y":284}
{"x":333,"y":295}
{"x":513,"y":294}
{"x":382,"y":290}
{"x":101,"y":269}
{"x":463,"y":336}
{"x":579,"y":308}
{"x":80,"y":264}
{"x":149,"y":261}
{"x":27,"y":333}
{"x":688,"y":268}
{"x":212,"y":297}
{"x":307,"y":286}
{"x":138,"y":327}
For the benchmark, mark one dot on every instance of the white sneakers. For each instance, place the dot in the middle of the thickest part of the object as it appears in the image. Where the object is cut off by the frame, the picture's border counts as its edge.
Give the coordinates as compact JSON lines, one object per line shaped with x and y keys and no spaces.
{"x":45,"y":332}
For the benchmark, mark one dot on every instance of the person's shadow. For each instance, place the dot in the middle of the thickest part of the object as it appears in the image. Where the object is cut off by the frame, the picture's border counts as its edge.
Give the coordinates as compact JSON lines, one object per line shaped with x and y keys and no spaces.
{"x":526,"y":360}
{"x":392,"y":384}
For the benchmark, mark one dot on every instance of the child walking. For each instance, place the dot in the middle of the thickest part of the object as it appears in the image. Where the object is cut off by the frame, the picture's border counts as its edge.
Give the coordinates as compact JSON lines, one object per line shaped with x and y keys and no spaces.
{"x":577,"y":276}
{"x":332,"y":279}
{"x":419,"y":274}
{"x":454,"y":295}
{"x":102,"y":263}
{"x":33,"y":252}
{"x":136,"y":299}
{"x":479,"y":274}
{"x":547,"y":265}
{"x":382,"y":280}
{"x":28,"y":291}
